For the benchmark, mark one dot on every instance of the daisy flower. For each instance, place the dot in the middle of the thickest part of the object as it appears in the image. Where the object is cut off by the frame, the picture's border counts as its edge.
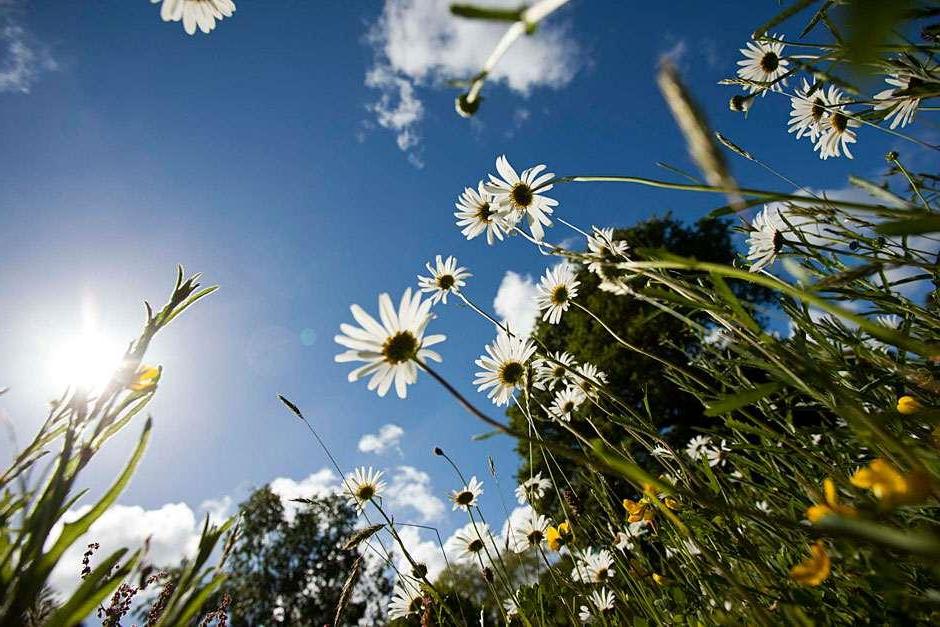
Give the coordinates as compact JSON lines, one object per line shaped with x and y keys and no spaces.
{"x":900,"y":107}
{"x":566,"y":402}
{"x":836,"y":128}
{"x":555,"y":291}
{"x":389,"y":349}
{"x":532,"y":489}
{"x":765,"y":239}
{"x":890,"y":321}
{"x":406,"y":600}
{"x":476,"y":214}
{"x":717,"y":455}
{"x":763,"y":65}
{"x":195,"y":13}
{"x":603,"y":249}
{"x":511,"y":607}
{"x":445,"y":278}
{"x":697,"y":446}
{"x":595,"y":378}
{"x":467,"y":496}
{"x":554,"y":372}
{"x":687,"y":545}
{"x":633,"y":531}
{"x":531,"y":532}
{"x":471,"y":541}
{"x":602,"y":602}
{"x":807,"y":110}
{"x":504,"y":367}
{"x":363,"y":485}
{"x":520,"y":196}
{"x":591,"y":567}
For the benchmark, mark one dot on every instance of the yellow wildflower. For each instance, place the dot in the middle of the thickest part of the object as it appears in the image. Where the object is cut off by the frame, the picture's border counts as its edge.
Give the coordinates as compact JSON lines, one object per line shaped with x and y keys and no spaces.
{"x":891,"y":486}
{"x":831,"y":506}
{"x":908,"y":405}
{"x":815,"y":570}
{"x":145,"y":379}
{"x":638,"y":510}
{"x":672,"y":503}
{"x":557,"y":537}
{"x":660,"y":579}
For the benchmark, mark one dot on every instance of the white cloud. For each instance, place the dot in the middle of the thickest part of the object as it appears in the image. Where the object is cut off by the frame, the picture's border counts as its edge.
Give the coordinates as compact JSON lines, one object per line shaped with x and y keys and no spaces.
{"x":419,"y":43}
{"x":22,"y":57}
{"x":321,"y":483}
{"x":411,"y":488}
{"x":515,"y":302}
{"x":427,"y":552}
{"x":173,"y":531}
{"x":388,"y":438}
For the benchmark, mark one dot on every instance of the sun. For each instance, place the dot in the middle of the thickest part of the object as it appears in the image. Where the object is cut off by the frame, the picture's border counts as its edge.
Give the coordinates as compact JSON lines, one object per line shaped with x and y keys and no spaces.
{"x":86,"y":361}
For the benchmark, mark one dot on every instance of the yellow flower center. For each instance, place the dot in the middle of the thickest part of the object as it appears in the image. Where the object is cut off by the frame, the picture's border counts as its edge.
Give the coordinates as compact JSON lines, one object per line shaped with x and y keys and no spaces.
{"x":446,"y":281}
{"x":769,"y":62}
{"x":400,"y":347}
{"x":511,"y":373}
{"x":520,"y":196}
{"x":560,"y":295}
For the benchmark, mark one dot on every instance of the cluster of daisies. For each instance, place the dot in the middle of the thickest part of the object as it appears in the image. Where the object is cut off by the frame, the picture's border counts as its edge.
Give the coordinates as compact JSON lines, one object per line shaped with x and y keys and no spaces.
{"x":393,"y":347}
{"x":477,"y":544}
{"x":819,"y":112}
{"x":201,"y":14}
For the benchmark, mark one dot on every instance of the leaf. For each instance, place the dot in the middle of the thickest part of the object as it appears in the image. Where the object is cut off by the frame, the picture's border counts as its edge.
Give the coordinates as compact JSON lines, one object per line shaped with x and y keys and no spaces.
{"x":73,"y":530}
{"x":877,"y":191}
{"x":870,"y":25}
{"x":476,"y":12}
{"x":727,"y":404}
{"x":912,"y":541}
{"x":815,"y":19}
{"x":784,"y":15}
{"x":924,"y":223}
{"x":721,"y":287}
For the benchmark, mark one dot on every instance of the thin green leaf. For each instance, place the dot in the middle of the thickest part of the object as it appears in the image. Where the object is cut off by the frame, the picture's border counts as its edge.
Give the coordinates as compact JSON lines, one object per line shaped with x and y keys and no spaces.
{"x":731,"y":402}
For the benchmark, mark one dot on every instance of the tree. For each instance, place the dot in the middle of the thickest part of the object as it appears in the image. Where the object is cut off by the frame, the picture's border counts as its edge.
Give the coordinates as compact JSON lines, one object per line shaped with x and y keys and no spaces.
{"x":296,"y":562}
{"x":640,"y":382}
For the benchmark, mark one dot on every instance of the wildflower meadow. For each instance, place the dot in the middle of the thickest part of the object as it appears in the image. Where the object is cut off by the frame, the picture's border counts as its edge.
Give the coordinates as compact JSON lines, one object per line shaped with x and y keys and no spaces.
{"x":733,"y":420}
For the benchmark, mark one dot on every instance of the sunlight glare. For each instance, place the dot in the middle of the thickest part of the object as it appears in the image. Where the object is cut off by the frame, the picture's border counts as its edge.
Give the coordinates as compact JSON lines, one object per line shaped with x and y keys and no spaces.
{"x":86,"y":360}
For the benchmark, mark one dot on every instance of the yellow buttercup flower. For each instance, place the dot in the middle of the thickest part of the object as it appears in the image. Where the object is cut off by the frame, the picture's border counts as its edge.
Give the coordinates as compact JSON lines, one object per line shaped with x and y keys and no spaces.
{"x":638,"y":510}
{"x":908,"y":405}
{"x":831,"y":506}
{"x":557,"y":537}
{"x":661,"y":580}
{"x":816,"y":569}
{"x":145,"y":379}
{"x":891,"y":486}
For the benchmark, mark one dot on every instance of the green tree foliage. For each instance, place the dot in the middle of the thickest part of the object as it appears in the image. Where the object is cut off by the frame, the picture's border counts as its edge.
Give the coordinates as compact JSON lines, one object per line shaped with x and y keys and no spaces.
{"x":296,"y":562}
{"x":639,"y":382}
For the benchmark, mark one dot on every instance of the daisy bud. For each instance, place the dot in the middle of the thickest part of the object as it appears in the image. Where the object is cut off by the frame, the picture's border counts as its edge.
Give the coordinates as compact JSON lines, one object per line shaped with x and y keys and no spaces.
{"x":438,"y":451}
{"x":464,"y":107}
{"x":487,"y":573}
{"x":740,"y":103}
{"x":892,"y":156}
{"x":419,"y":571}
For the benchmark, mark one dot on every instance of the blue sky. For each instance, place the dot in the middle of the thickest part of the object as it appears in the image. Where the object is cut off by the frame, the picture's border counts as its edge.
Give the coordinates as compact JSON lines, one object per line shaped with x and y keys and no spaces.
{"x":257,"y":155}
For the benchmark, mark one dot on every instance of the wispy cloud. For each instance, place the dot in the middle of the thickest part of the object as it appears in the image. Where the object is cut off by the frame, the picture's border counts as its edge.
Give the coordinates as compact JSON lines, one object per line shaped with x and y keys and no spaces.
{"x":419,"y":43}
{"x":23,"y":58}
